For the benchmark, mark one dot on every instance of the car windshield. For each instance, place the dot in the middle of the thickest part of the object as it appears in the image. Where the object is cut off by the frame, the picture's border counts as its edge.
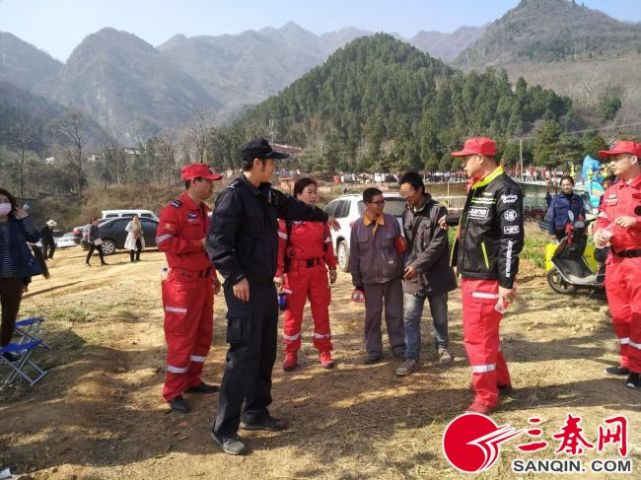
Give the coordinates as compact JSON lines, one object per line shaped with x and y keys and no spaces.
{"x":393,"y":206}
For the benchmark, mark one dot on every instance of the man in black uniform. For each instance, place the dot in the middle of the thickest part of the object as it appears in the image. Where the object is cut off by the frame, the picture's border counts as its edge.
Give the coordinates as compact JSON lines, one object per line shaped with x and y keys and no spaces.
{"x":243,"y":245}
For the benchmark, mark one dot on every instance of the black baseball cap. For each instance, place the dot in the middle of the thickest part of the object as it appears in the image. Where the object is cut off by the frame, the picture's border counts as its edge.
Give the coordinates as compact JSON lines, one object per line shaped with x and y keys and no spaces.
{"x":260,"y":148}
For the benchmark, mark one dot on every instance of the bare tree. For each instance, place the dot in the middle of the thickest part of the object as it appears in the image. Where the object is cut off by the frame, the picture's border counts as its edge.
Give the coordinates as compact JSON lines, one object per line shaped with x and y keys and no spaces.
{"x":22,"y":136}
{"x":71,"y":130}
{"x":198,"y":133}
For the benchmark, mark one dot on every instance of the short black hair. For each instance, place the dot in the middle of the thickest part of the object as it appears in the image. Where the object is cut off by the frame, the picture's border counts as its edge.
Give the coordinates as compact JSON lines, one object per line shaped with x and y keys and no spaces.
{"x":370,"y":193}
{"x":246,"y":163}
{"x":188,"y":182}
{"x":414,"y":179}
{"x":568,"y":178}
{"x":301,"y":183}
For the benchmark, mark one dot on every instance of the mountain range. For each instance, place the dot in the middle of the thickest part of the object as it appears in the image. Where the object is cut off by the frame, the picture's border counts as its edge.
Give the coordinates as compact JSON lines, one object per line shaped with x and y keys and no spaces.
{"x":135,"y":90}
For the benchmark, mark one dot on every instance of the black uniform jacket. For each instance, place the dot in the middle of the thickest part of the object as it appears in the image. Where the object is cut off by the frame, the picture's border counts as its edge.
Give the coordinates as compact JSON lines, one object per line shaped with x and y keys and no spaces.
{"x":490,"y":235}
{"x":243,"y":235}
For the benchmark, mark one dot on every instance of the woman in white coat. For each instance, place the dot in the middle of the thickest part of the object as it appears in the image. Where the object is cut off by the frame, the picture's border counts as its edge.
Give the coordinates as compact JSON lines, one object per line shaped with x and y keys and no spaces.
{"x":135,"y":241}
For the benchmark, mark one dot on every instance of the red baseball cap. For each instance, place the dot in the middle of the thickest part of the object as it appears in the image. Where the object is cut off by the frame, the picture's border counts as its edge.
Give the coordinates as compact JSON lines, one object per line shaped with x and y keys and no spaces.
{"x":623,"y":146}
{"x":477,"y":146}
{"x":198,"y":170}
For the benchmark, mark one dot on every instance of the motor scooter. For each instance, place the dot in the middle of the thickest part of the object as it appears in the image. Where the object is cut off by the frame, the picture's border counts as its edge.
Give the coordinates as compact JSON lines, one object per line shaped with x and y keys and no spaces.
{"x":570,"y":270}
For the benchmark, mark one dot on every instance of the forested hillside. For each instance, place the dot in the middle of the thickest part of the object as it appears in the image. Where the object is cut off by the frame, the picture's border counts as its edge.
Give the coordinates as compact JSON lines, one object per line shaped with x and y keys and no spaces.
{"x":380,"y":103}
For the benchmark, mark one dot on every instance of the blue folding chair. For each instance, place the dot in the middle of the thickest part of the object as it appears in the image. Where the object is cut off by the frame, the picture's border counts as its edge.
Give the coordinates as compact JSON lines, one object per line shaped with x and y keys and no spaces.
{"x":23,"y":367}
{"x":27,"y":329}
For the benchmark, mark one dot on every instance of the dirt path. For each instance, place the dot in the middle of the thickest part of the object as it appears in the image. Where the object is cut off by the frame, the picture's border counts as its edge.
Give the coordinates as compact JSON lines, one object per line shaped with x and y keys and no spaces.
{"x":99,"y":415}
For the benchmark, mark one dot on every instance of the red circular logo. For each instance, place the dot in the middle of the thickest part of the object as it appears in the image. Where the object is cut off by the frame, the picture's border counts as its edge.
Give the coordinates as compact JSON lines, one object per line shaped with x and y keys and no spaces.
{"x":471,"y":442}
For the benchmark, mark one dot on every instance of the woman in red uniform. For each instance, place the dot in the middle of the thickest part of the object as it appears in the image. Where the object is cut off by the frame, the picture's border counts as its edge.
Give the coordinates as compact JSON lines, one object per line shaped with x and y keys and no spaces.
{"x":304,"y":257}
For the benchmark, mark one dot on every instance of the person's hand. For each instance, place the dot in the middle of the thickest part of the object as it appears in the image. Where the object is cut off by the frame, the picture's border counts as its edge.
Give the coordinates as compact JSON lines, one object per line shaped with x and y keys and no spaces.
{"x":20,"y":213}
{"x":442,"y":222}
{"x":358,"y":295}
{"x":506,"y":296}
{"x":278,"y":281}
{"x":333,"y":224}
{"x":409,"y":273}
{"x":626,"y":222}
{"x":332,"y":276}
{"x":601,"y":238}
{"x":241,"y":290}
{"x":216,"y":286}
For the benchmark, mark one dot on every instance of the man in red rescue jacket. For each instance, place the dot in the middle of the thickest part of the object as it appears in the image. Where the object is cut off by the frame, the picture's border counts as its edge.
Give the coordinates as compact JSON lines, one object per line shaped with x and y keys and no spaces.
{"x":619,"y":224}
{"x":187,"y":292}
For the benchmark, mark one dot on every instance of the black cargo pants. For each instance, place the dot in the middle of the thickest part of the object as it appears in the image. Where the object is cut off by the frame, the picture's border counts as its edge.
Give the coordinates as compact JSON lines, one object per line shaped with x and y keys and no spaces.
{"x":252,"y":337}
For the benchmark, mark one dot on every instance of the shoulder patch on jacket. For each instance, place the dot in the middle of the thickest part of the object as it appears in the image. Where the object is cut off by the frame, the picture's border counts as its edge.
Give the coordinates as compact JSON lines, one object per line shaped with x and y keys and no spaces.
{"x":176,"y":203}
{"x":234,"y":185}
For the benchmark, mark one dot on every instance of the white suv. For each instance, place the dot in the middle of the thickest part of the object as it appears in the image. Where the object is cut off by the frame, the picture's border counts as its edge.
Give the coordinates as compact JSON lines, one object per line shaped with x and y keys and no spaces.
{"x":348,"y":208}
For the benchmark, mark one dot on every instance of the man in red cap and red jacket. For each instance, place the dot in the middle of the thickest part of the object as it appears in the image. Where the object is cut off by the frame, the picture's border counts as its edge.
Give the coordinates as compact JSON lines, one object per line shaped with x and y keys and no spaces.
{"x":187,"y":292}
{"x":619,"y":224}
{"x":486,"y":254}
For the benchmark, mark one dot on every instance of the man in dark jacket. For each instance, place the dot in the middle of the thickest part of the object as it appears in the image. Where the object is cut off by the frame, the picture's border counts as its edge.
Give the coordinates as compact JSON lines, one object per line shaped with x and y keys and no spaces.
{"x":48,"y":243}
{"x":427,"y":274}
{"x":243,"y":245}
{"x":489,"y":241}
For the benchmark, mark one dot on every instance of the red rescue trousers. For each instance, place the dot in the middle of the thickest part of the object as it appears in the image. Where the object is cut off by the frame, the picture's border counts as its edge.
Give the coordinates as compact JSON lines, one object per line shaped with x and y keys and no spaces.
{"x":306,"y":283}
{"x":623,"y":289}
{"x":481,"y":337}
{"x":189,"y":319}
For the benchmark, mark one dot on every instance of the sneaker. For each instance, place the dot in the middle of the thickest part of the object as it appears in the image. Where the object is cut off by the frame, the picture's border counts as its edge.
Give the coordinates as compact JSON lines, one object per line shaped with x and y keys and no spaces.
{"x":505,"y":389}
{"x":633,"y":380}
{"x":268,"y":423}
{"x":179,"y":404}
{"x":407,"y":367}
{"x":477,"y":407}
{"x":229,"y":443}
{"x":12,"y":357}
{"x":618,"y":370}
{"x":290,"y":362}
{"x":373,"y":358}
{"x":203,"y":387}
{"x":325,"y":359}
{"x":444,"y":356}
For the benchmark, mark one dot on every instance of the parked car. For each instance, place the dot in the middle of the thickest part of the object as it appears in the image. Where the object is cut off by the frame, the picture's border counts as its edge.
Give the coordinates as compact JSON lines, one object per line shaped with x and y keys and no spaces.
{"x":349,"y":208}
{"x":129,"y":213}
{"x":113,"y":234}
{"x":67,"y":240}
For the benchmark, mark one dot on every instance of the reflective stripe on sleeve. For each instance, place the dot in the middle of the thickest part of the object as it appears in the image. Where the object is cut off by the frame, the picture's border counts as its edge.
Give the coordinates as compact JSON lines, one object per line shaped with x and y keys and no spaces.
{"x":163,"y":238}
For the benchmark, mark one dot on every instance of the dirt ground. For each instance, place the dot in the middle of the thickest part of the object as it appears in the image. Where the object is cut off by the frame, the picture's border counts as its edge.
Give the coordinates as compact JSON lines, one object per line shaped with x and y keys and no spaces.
{"x":98,"y":414}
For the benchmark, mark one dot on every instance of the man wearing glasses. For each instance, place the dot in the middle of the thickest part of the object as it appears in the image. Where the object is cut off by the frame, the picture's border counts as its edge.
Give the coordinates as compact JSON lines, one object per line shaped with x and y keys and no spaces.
{"x":376,"y":248}
{"x":619,"y":225}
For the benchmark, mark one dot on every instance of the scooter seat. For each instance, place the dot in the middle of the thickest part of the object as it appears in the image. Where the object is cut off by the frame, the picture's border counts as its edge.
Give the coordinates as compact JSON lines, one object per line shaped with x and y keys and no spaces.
{"x":589,"y":280}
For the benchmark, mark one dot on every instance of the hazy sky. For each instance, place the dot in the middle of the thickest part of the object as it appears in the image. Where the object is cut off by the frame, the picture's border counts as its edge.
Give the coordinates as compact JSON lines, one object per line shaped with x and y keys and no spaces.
{"x":58,"y":26}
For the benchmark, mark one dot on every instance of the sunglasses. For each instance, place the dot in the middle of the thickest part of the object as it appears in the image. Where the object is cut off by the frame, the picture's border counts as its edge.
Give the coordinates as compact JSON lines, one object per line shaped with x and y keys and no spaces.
{"x":379,"y":203}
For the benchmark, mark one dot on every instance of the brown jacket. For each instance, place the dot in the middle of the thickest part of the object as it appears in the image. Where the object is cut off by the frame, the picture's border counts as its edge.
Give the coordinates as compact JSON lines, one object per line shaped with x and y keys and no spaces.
{"x":373,"y":257}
